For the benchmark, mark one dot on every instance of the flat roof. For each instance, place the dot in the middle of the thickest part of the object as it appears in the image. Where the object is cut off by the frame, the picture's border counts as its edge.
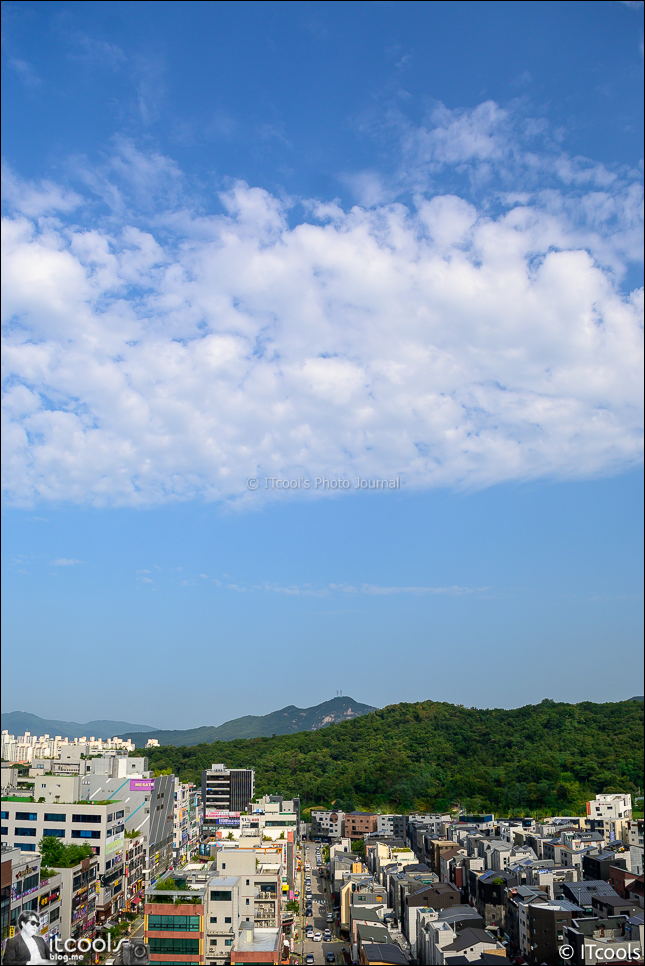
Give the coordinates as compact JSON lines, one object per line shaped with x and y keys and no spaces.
{"x":258,"y":940}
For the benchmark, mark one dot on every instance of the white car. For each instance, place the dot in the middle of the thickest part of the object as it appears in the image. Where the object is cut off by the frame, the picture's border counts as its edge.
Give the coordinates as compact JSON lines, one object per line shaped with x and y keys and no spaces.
{"x":317,"y":937}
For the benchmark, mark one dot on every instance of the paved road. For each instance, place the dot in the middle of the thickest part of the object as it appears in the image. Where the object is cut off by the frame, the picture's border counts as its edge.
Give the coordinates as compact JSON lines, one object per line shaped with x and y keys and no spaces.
{"x":319,"y":918}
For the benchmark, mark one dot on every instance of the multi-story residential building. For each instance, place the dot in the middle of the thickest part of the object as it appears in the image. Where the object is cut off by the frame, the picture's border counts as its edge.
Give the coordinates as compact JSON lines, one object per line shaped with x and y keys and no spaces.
{"x":80,"y":888}
{"x":516,"y":900}
{"x":601,"y":940}
{"x":28,"y":747}
{"x":226,"y":793}
{"x":635,"y":834}
{"x":610,"y":806}
{"x":437,"y":928}
{"x":547,"y":927}
{"x":487,"y":889}
{"x":597,"y":865}
{"x":25,"y":888}
{"x":359,"y":824}
{"x":395,"y":825}
{"x":326,"y":824}
{"x":447,"y":944}
{"x":438,"y":895}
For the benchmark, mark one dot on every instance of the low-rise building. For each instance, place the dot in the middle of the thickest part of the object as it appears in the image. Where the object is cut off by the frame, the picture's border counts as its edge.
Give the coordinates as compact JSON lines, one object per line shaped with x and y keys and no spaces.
{"x":547,"y":929}
{"x":359,"y":824}
{"x":327,"y":824}
{"x":600,"y":940}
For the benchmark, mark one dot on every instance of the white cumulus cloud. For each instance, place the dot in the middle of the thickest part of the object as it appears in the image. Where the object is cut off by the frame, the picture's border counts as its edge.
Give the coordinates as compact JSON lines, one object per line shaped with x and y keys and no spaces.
{"x":449,"y":340}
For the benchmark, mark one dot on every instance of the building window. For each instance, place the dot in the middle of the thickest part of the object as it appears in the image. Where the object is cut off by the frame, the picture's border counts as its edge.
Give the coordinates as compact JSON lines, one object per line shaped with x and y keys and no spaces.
{"x":85,"y":833}
{"x":26,"y":817}
{"x":55,"y":817}
{"x":24,"y":847}
{"x":58,"y":833}
{"x":228,"y":919}
{"x":248,"y":901}
{"x":220,"y":895}
{"x":171,"y":945}
{"x":228,"y":942}
{"x":174,"y":923}
{"x":5,"y":815}
{"x":213,"y":919}
{"x":26,"y":831}
{"x":86,"y":819}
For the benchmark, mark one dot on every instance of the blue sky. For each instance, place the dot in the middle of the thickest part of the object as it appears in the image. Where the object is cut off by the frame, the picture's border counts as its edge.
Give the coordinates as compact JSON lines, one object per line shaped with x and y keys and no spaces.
{"x":305,"y":240}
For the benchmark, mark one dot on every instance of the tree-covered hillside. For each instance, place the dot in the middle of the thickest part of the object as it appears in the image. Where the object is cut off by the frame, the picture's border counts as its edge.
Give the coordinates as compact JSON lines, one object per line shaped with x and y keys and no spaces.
{"x":549,"y":757}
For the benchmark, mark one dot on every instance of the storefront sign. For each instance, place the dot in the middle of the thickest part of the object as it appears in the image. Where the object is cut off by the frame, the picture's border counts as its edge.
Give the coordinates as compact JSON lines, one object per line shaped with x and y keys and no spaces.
{"x":142,"y":784}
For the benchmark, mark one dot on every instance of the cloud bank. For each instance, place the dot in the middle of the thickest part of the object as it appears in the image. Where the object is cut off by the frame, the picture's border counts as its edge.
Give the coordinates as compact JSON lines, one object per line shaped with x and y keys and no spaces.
{"x":462,"y":338}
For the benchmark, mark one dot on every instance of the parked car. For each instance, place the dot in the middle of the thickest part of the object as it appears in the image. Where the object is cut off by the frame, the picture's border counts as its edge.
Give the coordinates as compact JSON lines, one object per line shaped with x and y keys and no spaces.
{"x":330,"y":917}
{"x":317,"y":937}
{"x":309,"y":958}
{"x":327,"y":935}
{"x":331,"y":958}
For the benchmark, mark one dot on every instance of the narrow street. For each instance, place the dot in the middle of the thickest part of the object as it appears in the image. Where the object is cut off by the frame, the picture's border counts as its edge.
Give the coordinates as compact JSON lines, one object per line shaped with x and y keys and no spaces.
{"x":321,"y":905}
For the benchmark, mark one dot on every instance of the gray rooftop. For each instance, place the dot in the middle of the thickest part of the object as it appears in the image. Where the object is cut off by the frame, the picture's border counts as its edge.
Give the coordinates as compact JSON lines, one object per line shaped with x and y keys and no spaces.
{"x":385,"y":953}
{"x":372,"y":933}
{"x":258,"y":940}
{"x":470,"y":937}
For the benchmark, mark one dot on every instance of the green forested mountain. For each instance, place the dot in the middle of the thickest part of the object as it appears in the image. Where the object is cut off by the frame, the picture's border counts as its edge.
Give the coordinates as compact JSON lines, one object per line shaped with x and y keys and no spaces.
{"x":548,"y":757}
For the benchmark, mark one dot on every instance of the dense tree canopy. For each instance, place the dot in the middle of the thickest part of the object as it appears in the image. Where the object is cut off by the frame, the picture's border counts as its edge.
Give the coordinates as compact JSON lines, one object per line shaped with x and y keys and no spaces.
{"x":549,"y":757}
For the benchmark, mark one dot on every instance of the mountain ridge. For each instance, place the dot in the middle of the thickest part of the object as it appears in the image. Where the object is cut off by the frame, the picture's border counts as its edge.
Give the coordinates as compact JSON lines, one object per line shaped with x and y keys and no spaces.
{"x":288,"y":720}
{"x":18,"y":722}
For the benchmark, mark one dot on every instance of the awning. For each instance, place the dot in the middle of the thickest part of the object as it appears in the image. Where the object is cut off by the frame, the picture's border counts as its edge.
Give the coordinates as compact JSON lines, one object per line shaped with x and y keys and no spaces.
{"x":135,"y":901}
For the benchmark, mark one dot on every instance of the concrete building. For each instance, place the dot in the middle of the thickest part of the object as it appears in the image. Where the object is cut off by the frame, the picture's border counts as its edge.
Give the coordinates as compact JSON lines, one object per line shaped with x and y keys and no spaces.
{"x":27,"y":747}
{"x":226,"y":792}
{"x":434,"y":928}
{"x":149,"y":810}
{"x":360,"y":824}
{"x":601,"y":940}
{"x":80,"y":890}
{"x":393,"y":824}
{"x":181,"y":822}
{"x":226,"y":917}
{"x":610,"y":806}
{"x":174,"y":923}
{"x":134,"y":879}
{"x":326,"y":824}
{"x":547,"y":929}
{"x":99,"y":826}
{"x":25,"y":889}
{"x":258,"y":946}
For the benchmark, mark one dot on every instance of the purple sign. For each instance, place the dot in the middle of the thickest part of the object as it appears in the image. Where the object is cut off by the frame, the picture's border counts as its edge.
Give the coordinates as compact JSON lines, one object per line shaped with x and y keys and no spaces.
{"x":142,"y":784}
